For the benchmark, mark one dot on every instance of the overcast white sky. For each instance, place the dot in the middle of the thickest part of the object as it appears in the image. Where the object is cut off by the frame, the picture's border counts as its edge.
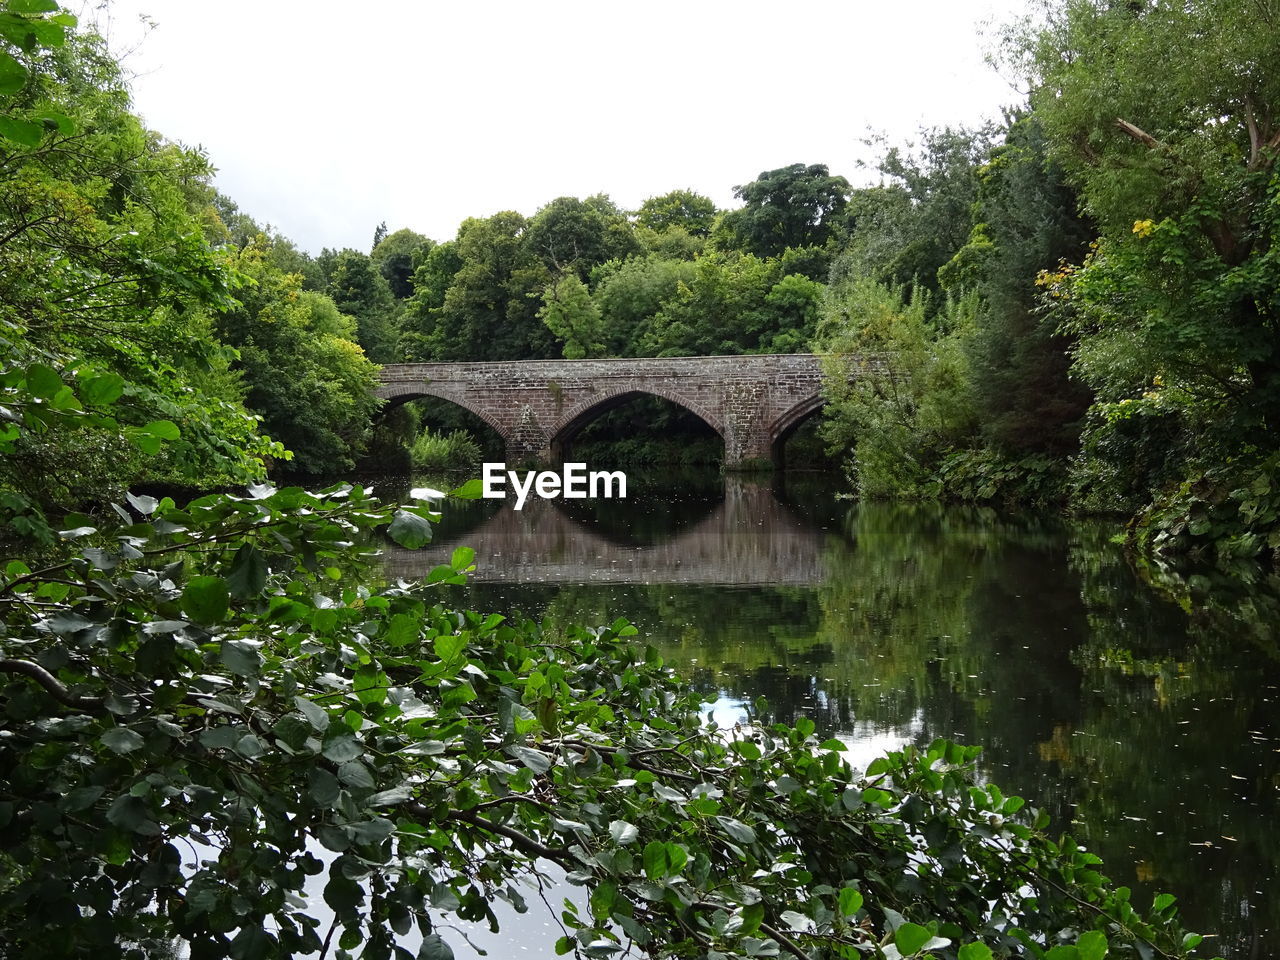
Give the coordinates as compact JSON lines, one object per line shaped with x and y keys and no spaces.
{"x":325,"y":118}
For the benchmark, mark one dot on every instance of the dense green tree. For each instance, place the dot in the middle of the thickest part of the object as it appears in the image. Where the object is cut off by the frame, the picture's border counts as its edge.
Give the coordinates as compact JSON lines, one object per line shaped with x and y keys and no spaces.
{"x":904,"y":230}
{"x":691,"y":212}
{"x":490,"y":304}
{"x":570,"y":314}
{"x":304,"y":374}
{"x":105,"y":272}
{"x":629,"y":294}
{"x":792,"y":206}
{"x":572,"y":234}
{"x":1028,"y":222}
{"x":899,"y":393}
{"x":360,"y":290}
{"x":396,"y":256}
{"x":734,"y":303}
{"x":421,"y":333}
{"x":1175,"y":157}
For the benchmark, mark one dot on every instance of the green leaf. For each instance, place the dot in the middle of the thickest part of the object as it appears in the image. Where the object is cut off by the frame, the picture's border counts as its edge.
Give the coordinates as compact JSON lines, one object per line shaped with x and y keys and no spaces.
{"x":241,"y":658}
{"x":316,"y":715}
{"x":356,"y":774}
{"x":462,"y":558}
{"x":409,"y":530}
{"x":343,"y":895}
{"x":471,"y":490}
{"x":448,"y":645}
{"x":623,"y":832}
{"x":879,"y":797}
{"x":205,"y":599}
{"x":655,"y":859}
{"x":81,"y":798}
{"x":164,"y":429}
{"x":248,"y":573}
{"x":403,"y":629}
{"x":31,"y":7}
{"x":910,"y":938}
{"x":752,"y":917}
{"x":433,"y":948}
{"x":122,"y":740}
{"x":322,"y":786}
{"x":102,"y":390}
{"x":42,"y":380}
{"x":1093,"y":945}
{"x":251,"y":943}
{"x":54,"y":120}
{"x":850,"y":901}
{"x":372,"y":831}
{"x":12,"y":75}
{"x":795,"y":920}
{"x":343,"y":748}
{"x":293,"y":730}
{"x":677,"y":857}
{"x":389,"y":798}
{"x":130,"y":813}
{"x":974,"y":951}
{"x":535,"y":760}
{"x":738,"y":830}
{"x":602,"y":900}
{"x":23,"y":132}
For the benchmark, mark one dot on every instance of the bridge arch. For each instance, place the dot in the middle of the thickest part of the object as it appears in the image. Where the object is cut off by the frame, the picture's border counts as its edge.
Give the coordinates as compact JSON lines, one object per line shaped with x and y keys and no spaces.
{"x":582,"y":413}
{"x":787,"y":424}
{"x":399,"y":393}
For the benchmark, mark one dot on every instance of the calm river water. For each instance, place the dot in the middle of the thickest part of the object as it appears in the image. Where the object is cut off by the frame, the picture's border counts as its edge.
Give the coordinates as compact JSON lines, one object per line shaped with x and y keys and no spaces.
{"x":1144,"y":716}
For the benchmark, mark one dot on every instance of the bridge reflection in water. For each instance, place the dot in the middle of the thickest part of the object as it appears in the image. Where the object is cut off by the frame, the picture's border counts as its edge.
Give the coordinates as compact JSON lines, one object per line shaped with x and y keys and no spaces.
{"x":748,"y":538}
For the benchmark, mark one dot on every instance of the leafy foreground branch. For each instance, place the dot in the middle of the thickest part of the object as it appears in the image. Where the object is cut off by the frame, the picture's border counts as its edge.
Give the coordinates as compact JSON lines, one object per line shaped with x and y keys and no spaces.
{"x":204,"y":708}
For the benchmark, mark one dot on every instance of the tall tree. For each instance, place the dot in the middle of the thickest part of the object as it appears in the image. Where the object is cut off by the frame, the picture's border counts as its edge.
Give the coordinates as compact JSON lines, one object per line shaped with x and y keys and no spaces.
{"x":1028,"y":222}
{"x":570,"y":314}
{"x":691,"y":212}
{"x":1177,"y":158}
{"x":792,"y":206}
{"x":396,"y":256}
{"x":106,"y":278}
{"x":902,"y":231}
{"x":490,"y":305}
{"x":573,"y":234}
{"x":360,"y":290}
{"x":304,"y":373}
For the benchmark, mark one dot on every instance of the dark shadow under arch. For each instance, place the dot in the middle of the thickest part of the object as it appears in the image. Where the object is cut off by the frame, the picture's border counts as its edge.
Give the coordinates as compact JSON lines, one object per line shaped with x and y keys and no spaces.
{"x":397,"y":394}
{"x":591,"y":409}
{"x":786,"y":426}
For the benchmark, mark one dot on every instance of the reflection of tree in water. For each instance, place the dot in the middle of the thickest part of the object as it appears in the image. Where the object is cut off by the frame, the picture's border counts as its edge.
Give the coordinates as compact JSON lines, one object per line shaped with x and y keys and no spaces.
{"x":1184,"y":679}
{"x":1141,"y":727}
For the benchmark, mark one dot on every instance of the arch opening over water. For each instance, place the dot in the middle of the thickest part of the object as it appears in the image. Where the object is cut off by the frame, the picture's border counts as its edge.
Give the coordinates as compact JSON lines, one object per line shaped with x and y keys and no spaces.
{"x":638,"y":426}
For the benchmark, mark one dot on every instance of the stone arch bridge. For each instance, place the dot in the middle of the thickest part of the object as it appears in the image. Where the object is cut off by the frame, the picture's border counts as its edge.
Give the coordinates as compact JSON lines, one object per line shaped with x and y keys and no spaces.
{"x":753,"y":401}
